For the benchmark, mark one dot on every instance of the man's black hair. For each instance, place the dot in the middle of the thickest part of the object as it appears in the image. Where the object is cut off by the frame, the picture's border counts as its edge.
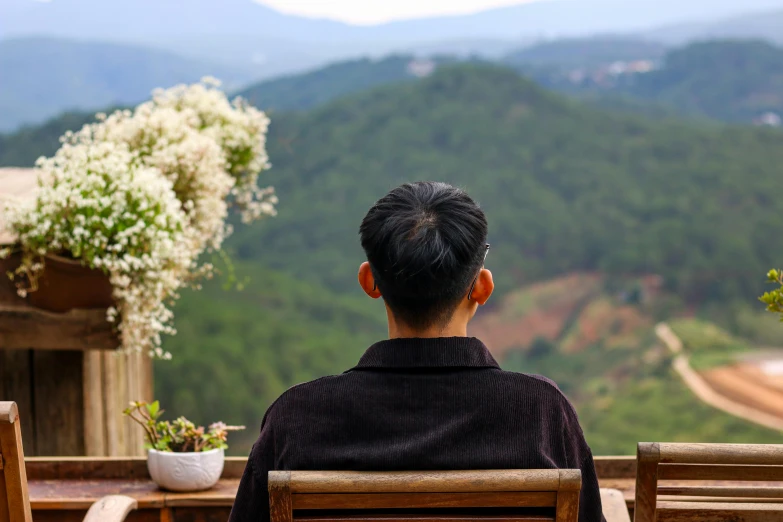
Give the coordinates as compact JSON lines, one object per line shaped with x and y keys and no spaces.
{"x":425,"y":243}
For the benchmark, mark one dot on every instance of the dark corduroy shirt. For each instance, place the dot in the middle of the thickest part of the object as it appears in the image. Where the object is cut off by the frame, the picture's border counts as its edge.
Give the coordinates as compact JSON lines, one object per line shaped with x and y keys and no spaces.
{"x":419,"y":404}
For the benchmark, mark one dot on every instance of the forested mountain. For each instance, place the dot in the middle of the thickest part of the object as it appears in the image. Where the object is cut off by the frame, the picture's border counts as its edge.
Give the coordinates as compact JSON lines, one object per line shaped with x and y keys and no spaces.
{"x":23,"y":147}
{"x":756,"y":24}
{"x":304,"y":91}
{"x":566,"y":187}
{"x":42,"y":77}
{"x":728,"y":80}
{"x":586,"y":52}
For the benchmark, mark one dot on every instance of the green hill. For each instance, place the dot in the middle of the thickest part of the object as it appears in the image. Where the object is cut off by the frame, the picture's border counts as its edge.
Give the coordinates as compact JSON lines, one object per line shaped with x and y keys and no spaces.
{"x":42,"y":77}
{"x":726,"y":80}
{"x":586,"y":52}
{"x":305,"y":91}
{"x":566,"y":187}
{"x":733,"y":80}
{"x":593,"y":335}
{"x":23,"y":147}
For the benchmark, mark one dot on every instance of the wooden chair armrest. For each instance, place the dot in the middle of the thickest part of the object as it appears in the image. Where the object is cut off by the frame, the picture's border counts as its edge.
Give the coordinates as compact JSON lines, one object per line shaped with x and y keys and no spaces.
{"x":111,"y":508}
{"x":614,"y":507}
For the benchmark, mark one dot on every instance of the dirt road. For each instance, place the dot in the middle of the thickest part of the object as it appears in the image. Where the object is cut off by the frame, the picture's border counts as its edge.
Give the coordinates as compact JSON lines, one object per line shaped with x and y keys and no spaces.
{"x":732,"y":393}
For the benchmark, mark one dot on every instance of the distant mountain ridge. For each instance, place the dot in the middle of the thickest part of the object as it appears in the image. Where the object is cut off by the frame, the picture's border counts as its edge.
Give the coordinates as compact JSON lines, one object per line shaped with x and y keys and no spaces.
{"x":244,"y":32}
{"x":42,"y":77}
{"x":94,"y":19}
{"x":587,"y":52}
{"x":305,"y":91}
{"x":764,"y":25}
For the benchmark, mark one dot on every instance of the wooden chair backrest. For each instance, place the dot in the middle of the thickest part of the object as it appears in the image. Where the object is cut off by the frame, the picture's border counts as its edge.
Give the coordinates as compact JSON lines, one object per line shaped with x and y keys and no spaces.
{"x":14,"y":498}
{"x":331,"y":496}
{"x":709,"y":462}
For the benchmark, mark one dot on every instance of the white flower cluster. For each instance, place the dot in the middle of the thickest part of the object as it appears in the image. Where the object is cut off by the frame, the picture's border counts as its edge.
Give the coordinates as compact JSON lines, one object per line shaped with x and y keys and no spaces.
{"x":142,"y":194}
{"x":239,"y":128}
{"x":114,"y":215}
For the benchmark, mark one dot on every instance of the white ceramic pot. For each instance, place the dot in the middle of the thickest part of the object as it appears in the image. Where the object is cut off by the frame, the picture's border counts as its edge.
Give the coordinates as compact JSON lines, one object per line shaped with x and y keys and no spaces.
{"x":185,"y":471}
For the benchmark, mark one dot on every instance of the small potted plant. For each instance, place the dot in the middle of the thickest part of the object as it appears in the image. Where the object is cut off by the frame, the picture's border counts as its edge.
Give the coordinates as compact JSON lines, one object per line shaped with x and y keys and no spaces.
{"x":181,"y":457}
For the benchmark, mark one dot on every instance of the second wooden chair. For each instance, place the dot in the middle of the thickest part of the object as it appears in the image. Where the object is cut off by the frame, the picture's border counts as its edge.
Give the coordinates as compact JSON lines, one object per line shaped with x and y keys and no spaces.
{"x":709,"y":500}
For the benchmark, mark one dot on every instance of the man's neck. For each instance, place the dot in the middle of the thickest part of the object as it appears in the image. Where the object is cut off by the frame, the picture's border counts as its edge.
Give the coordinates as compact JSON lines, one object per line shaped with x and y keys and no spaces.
{"x":455,"y":328}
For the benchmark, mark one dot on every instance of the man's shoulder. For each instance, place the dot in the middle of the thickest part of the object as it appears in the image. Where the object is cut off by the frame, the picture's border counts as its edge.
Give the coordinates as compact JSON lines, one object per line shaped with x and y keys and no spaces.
{"x":527,"y":382}
{"x":316,"y":389}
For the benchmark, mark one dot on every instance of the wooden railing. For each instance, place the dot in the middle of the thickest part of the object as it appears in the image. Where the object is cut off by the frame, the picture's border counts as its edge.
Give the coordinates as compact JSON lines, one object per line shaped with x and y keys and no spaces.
{"x":62,"y":489}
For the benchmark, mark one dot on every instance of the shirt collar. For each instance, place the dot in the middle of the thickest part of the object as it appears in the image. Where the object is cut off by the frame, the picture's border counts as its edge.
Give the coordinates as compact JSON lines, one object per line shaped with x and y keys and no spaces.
{"x":439,"y":352}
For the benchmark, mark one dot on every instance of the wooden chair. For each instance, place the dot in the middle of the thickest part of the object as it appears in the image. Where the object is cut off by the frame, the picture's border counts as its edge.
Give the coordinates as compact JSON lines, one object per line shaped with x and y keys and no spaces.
{"x":508,"y":495}
{"x":14,"y":498}
{"x":709,"y":502}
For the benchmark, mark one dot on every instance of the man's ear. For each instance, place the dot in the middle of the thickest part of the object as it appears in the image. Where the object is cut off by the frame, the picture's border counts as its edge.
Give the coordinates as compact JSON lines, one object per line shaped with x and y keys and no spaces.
{"x":367,"y":281}
{"x":484,"y":287}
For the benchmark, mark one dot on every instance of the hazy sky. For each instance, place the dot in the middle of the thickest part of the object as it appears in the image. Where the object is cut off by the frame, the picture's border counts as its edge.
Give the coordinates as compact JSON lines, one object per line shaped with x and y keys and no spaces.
{"x":378,"y":11}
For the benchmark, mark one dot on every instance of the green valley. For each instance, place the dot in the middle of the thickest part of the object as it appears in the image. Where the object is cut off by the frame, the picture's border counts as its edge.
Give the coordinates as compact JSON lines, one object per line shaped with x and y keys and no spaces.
{"x":684,"y":216}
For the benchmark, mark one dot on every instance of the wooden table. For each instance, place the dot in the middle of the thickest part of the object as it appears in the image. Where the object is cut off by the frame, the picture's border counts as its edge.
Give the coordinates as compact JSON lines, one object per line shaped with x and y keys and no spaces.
{"x":62,"y":489}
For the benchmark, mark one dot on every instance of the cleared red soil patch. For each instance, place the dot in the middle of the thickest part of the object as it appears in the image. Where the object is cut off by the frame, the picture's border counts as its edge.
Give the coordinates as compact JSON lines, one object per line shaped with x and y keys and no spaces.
{"x":540,"y":310}
{"x":606,"y":321}
{"x":747,"y":384}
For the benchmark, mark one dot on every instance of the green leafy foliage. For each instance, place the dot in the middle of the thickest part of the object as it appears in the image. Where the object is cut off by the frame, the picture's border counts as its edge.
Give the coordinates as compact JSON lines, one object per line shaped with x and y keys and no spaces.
{"x":179,"y":436}
{"x":774,"y":299}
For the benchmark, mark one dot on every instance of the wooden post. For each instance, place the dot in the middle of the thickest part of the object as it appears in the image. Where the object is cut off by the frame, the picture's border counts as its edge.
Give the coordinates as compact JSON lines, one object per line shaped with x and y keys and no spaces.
{"x":94,"y":419}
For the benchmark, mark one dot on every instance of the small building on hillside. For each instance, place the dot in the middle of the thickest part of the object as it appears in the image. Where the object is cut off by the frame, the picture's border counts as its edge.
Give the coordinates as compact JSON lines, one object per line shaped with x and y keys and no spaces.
{"x":769,"y":119}
{"x":421,"y":68}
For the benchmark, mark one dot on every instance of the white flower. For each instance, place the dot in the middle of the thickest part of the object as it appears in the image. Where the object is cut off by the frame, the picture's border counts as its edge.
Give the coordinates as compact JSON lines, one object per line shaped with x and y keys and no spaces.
{"x":142,"y":194}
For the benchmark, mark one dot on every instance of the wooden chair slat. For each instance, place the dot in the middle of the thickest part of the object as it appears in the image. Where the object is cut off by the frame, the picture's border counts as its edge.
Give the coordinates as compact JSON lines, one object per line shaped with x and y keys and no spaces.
{"x":427,"y":518}
{"x":422,"y":500}
{"x":426,"y":482}
{"x":725,"y":500}
{"x":758,"y":454}
{"x":719,"y":472}
{"x":433,"y":495}
{"x":719,"y":512}
{"x":721,"y":491}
